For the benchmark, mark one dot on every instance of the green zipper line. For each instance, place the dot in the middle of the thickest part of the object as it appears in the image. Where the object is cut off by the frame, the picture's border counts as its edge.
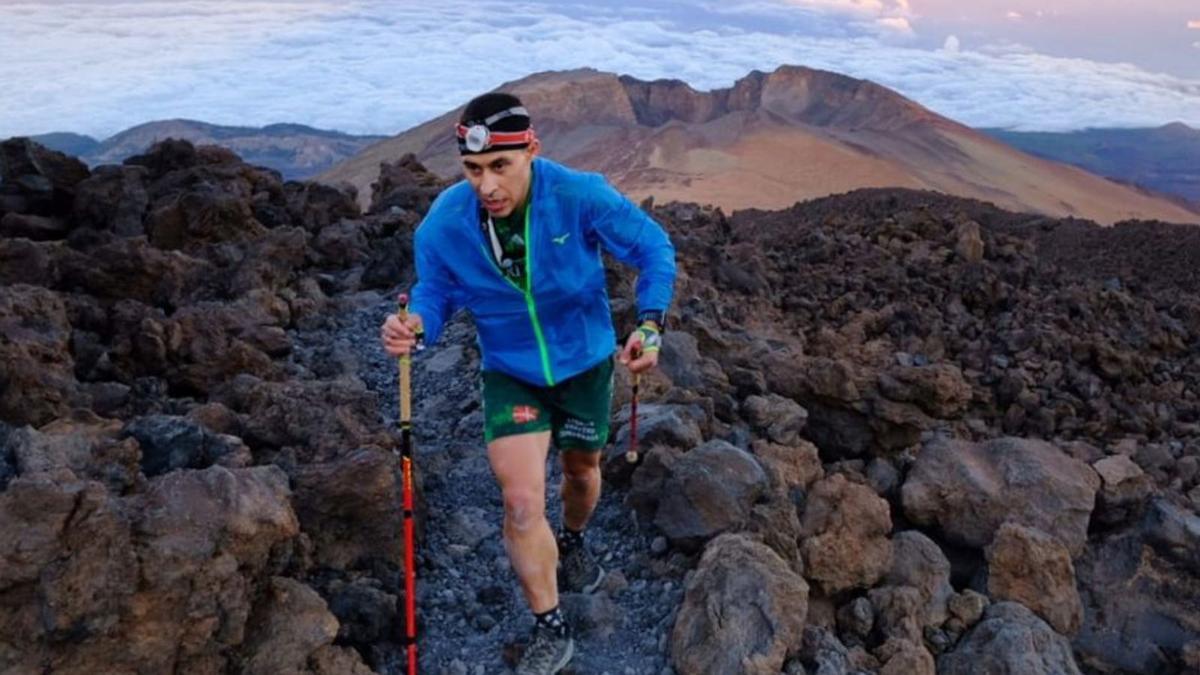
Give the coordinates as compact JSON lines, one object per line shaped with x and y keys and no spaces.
{"x":537,"y":325}
{"x":528,"y":293}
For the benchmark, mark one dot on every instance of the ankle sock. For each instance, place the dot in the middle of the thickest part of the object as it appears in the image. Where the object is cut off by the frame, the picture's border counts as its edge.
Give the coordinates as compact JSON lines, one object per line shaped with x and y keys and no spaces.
{"x":569,"y":540}
{"x":553,"y":620}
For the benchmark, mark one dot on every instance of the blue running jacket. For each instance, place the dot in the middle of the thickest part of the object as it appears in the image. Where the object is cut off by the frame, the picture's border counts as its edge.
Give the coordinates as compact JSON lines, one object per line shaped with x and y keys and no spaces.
{"x":560,"y":324}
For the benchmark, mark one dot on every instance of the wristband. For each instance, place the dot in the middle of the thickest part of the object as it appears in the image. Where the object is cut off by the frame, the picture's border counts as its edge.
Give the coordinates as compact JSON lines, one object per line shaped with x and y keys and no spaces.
{"x":651,"y":338}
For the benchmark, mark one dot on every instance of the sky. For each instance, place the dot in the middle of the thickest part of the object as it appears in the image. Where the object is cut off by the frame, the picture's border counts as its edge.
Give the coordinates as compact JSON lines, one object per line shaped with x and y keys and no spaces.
{"x":100,"y":66}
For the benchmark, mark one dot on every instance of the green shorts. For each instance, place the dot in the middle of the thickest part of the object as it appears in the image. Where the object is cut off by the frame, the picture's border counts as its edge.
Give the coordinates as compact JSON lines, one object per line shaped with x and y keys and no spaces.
{"x":576,"y":410}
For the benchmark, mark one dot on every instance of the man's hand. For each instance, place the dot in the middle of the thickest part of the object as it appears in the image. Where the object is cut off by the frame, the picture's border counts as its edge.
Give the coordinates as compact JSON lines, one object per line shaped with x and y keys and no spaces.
{"x":641,"y":349}
{"x":399,"y":337}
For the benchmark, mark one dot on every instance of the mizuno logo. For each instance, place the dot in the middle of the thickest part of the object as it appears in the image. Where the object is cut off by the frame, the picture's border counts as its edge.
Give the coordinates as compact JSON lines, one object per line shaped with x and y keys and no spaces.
{"x":560,"y":240}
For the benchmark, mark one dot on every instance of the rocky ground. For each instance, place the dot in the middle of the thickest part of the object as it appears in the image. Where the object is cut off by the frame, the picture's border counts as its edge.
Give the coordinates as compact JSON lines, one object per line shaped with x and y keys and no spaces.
{"x":893,"y":432}
{"x":473,"y":618}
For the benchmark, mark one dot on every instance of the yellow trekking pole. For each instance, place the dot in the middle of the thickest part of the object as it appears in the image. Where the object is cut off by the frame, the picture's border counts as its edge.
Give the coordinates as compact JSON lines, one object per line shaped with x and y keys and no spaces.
{"x":406,"y":461}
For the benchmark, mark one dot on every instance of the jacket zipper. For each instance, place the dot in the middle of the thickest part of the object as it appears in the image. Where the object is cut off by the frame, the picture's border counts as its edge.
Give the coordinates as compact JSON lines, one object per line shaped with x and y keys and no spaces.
{"x":543,"y":351}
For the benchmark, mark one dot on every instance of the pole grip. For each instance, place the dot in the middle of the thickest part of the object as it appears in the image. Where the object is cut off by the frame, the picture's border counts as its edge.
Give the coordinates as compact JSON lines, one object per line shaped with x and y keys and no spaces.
{"x":405,"y":372}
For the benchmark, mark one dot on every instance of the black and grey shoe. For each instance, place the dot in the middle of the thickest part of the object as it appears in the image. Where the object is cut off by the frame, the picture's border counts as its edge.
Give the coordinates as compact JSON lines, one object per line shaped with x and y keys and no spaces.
{"x":549,"y":652}
{"x":578,"y":571}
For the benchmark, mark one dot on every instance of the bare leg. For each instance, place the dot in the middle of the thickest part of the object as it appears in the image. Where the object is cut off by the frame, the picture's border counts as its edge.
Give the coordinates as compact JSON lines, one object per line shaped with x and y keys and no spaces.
{"x":580,"y":487}
{"x":519,"y":463}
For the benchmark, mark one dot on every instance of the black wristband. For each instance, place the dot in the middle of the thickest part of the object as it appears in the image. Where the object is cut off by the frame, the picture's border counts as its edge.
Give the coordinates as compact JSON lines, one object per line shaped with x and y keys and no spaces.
{"x":658,"y":316}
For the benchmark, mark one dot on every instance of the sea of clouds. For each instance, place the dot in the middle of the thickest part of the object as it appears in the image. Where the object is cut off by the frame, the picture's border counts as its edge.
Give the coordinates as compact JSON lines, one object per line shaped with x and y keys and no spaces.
{"x":378,"y":67}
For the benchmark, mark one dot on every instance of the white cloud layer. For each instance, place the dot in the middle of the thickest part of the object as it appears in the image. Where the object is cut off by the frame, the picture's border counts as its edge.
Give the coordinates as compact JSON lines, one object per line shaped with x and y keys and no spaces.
{"x":380,"y":67}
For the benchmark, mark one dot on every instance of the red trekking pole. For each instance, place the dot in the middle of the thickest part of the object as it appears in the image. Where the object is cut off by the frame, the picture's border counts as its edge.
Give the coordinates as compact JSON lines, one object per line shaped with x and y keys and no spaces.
{"x":406,"y":460}
{"x":631,"y":455}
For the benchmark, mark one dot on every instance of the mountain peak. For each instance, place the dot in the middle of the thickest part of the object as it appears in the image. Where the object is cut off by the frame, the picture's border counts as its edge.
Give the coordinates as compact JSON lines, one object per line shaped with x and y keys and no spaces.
{"x":794,"y":94}
{"x":1178,"y":128}
{"x":768,"y":140}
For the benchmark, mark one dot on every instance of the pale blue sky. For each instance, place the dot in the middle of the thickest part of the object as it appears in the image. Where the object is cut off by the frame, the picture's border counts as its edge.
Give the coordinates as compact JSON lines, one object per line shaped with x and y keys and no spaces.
{"x":100,"y":66}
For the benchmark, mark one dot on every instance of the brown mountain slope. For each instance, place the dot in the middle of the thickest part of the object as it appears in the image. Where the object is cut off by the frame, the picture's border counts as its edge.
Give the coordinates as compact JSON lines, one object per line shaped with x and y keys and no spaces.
{"x":768,"y":141}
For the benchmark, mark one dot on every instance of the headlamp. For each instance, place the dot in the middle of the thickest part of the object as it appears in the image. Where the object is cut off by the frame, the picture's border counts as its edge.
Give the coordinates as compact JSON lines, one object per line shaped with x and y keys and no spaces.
{"x":477,"y":136}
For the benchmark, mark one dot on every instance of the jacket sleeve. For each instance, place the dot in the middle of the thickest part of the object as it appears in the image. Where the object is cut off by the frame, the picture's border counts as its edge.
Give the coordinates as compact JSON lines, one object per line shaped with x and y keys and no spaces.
{"x":634,"y":238}
{"x":436,"y":296}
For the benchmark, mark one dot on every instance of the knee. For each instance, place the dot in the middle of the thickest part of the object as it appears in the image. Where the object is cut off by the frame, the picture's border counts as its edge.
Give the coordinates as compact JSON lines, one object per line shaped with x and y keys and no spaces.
{"x":581,"y":472}
{"x":523,"y":508}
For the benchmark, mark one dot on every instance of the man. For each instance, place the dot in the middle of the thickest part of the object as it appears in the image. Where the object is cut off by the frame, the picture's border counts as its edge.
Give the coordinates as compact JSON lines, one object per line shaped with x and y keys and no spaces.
{"x":518,"y":244}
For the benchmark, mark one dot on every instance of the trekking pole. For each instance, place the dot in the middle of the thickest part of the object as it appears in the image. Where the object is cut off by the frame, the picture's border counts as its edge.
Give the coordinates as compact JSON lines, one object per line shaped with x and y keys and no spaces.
{"x":406,"y":460}
{"x":631,"y":455}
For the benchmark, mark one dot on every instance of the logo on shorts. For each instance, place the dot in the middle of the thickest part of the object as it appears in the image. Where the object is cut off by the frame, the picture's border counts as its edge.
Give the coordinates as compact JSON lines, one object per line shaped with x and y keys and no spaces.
{"x":524,"y":414}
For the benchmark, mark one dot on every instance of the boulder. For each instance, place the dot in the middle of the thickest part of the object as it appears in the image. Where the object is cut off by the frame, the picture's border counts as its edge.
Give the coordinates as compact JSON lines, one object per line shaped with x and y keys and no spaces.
{"x":342,"y":244}
{"x":1028,"y":566}
{"x":709,"y":490}
{"x":206,"y":344}
{"x":680,"y":359}
{"x":404,"y":185}
{"x":899,"y":611}
{"x":1124,"y":489}
{"x":29,"y":226}
{"x":855,"y":619}
{"x":1139,"y":602}
{"x":203,"y":538}
{"x":969,"y":489}
{"x":1175,"y":531}
{"x":134,"y":269}
{"x":170,"y":442}
{"x":743,"y":611}
{"x":142,"y":583}
{"x":29,"y":262}
{"x":661,"y":424}
{"x":315,"y":206}
{"x":777,"y":418}
{"x":901,"y":657}
{"x":330,"y":660}
{"x":938,"y":389}
{"x":287,"y":627}
{"x":1010,"y":639}
{"x":37,"y":180}
{"x":821,"y":650}
{"x":201,"y":214}
{"x":67,"y":567}
{"x":775,"y":521}
{"x":919,"y":562}
{"x":78,"y":445}
{"x":968,"y":242}
{"x":318,"y":418}
{"x":351,"y":508}
{"x":36,"y":366}
{"x":844,"y":534}
{"x":113,"y":198}
{"x":270,"y":262}
{"x":790,"y":466}
{"x":165,"y":156}
{"x":967,"y":608}
{"x":366,"y":613}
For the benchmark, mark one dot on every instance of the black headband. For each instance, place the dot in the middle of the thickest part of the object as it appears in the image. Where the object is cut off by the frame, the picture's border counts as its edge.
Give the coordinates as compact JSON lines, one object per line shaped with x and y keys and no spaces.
{"x":478,"y":136}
